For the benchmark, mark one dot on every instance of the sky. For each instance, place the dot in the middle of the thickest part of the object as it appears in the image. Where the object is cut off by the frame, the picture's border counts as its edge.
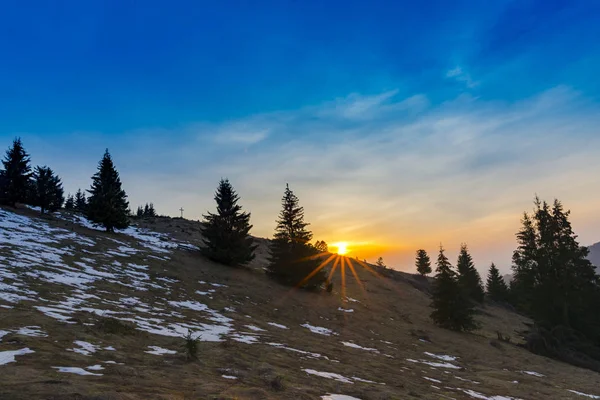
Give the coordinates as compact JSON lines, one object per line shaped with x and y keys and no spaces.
{"x":399,"y":125}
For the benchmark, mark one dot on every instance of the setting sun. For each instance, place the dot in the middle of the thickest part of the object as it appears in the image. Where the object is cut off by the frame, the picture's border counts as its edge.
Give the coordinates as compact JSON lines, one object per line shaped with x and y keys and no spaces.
{"x":342,"y":247}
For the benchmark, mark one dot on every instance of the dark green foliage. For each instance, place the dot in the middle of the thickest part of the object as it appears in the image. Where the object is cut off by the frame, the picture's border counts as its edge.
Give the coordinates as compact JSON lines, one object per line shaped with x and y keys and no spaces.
{"x":321,"y":246}
{"x":293,"y":260}
{"x":423,"y":263}
{"x":107,"y":204}
{"x":46,"y":190}
{"x":151,"y":212}
{"x":495,"y":285}
{"x":190,"y":347}
{"x":80,"y":201}
{"x":70,"y":203}
{"x":226,"y":234}
{"x":15,"y":176}
{"x":140,"y":212}
{"x":556,"y":284}
{"x":452,"y":309}
{"x":468,"y":277}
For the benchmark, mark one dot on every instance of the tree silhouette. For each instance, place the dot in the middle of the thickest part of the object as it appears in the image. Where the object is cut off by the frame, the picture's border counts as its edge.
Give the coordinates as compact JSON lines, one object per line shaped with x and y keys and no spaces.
{"x":293,"y":261}
{"x":227,"y":237}
{"x":46,"y":191}
{"x":107,"y":204}
{"x":423,"y":263}
{"x":15,"y":178}
{"x":468,"y":277}
{"x":496,"y":287}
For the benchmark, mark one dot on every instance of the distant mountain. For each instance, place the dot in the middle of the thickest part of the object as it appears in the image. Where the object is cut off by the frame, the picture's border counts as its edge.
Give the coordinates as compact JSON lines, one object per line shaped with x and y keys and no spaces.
{"x":594,"y":255}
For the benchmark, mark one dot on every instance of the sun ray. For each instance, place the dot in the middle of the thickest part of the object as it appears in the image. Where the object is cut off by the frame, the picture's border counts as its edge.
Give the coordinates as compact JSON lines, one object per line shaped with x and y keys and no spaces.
{"x":360,"y":284}
{"x":335,"y":265}
{"x":316,"y":270}
{"x":343,"y":268}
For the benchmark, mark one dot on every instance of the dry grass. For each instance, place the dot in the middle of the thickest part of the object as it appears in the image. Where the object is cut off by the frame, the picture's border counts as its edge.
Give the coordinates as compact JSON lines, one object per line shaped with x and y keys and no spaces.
{"x":392,"y":316}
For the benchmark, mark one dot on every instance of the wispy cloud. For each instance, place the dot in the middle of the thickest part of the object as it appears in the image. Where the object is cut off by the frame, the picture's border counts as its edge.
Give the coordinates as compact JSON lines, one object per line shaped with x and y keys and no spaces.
{"x":459,"y":74}
{"x":390,"y":170}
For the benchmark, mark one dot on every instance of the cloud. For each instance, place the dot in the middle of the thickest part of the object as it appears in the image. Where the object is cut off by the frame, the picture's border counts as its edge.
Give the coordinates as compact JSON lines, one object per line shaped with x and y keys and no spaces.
{"x":393,"y":172}
{"x":462,"y":76}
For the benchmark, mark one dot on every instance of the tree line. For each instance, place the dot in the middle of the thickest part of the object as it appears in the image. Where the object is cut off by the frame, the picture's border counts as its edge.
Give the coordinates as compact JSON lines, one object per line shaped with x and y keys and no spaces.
{"x":553,"y":282}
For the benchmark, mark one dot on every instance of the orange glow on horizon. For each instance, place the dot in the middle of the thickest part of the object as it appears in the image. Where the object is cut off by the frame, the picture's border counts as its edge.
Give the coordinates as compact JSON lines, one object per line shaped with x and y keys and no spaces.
{"x":342,"y":248}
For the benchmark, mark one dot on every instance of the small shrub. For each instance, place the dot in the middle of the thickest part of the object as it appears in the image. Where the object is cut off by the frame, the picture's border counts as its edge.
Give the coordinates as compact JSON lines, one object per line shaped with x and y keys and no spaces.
{"x":190,"y":347}
{"x":329,"y":287}
{"x":114,"y":326}
{"x":277,"y":383}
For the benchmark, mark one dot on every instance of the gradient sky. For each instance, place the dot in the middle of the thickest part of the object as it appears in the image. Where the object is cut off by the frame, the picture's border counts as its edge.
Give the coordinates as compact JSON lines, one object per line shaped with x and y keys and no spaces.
{"x":399,"y":125}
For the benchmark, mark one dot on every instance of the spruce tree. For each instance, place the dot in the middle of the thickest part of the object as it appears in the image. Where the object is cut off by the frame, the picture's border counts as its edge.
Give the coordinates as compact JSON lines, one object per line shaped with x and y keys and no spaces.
{"x":15,"y":177}
{"x":380,"y":263}
{"x":80,"y":201}
{"x":423,"y":263}
{"x":140,"y":212}
{"x":46,"y":191}
{"x":468,"y":277}
{"x":226,"y":233}
{"x":70,"y":203}
{"x":146,"y":210}
{"x":496,"y":287}
{"x":451,"y":307}
{"x":293,"y":261}
{"x":107,"y":204}
{"x":553,"y":279}
{"x":151,"y":210}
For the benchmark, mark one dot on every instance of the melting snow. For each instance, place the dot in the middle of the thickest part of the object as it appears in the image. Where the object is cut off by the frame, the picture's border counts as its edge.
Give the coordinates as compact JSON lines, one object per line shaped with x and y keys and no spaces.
{"x":318,"y":329}
{"x":9,"y":356}
{"x":434,"y":364}
{"x":255,"y":328}
{"x":229,"y":376}
{"x":432,"y":380}
{"x":328,"y":375}
{"x":478,"y":395}
{"x":345,"y":310}
{"x":31,"y":331}
{"x":278,"y":325}
{"x":591,"y":396}
{"x":85,"y":348}
{"x":441,"y":356}
{"x":338,"y":397}
{"x":75,"y":370}
{"x":96,"y":367}
{"x":533,"y":373}
{"x":355,"y":346}
{"x":158,"y":351}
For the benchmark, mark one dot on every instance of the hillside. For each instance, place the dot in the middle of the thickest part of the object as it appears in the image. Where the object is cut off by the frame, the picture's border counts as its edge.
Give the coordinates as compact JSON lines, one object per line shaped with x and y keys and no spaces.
{"x":63,"y":286}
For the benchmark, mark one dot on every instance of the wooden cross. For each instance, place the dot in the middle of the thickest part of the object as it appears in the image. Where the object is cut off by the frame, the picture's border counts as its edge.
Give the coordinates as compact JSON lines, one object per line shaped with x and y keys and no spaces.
{"x":181,"y":209}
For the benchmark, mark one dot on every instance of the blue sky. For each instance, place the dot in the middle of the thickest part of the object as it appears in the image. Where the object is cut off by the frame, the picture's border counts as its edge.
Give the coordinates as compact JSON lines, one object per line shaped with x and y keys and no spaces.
{"x":399,"y":124}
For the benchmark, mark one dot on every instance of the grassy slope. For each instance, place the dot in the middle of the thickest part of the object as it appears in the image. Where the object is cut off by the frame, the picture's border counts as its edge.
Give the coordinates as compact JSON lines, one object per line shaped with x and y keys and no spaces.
{"x":390,"y":316}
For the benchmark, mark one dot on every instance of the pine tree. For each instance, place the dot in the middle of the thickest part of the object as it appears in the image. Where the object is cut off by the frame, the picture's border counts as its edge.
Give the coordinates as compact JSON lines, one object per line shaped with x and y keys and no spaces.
{"x":70,"y":203}
{"x":496,"y":287}
{"x":553,"y":279}
{"x":468,"y":277}
{"x":451,"y":307}
{"x":80,"y":201}
{"x":321,"y":246}
{"x":226,"y":233}
{"x":15,"y":178}
{"x":151,"y":210}
{"x":293,"y":260}
{"x":140,"y":212}
{"x":107,"y":204}
{"x":146,"y":210}
{"x":380,"y":263}
{"x":46,"y":191}
{"x":423,"y":262}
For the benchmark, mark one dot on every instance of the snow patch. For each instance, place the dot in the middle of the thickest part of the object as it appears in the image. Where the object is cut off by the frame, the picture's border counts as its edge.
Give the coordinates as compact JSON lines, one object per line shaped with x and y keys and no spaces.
{"x":9,"y":355}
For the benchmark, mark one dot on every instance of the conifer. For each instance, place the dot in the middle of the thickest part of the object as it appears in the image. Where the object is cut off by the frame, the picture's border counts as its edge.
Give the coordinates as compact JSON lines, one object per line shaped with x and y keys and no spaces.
{"x":496,"y":287}
{"x":15,"y":177}
{"x":226,"y":234}
{"x":293,"y":261}
{"x":107,"y":204}
{"x":468,"y":277}
{"x":423,"y":263}
{"x":451,"y":307}
{"x":46,"y":190}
